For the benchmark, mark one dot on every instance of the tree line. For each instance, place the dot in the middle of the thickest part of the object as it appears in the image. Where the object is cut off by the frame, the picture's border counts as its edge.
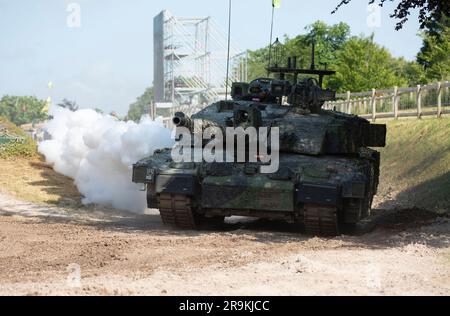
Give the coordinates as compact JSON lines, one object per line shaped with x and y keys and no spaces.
{"x":29,"y":109}
{"x":23,"y":109}
{"x":360,"y":63}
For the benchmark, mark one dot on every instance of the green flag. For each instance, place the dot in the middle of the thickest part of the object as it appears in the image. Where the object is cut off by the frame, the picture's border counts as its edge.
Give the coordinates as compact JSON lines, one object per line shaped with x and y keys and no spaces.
{"x":276,"y":4}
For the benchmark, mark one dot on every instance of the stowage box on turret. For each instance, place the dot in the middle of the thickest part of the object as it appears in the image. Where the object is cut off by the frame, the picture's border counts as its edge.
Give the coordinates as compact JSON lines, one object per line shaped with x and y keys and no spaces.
{"x":327,"y":173}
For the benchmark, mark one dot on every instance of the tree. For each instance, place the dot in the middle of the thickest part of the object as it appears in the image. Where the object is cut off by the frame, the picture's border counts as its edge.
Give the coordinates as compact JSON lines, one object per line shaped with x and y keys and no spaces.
{"x":328,"y":38}
{"x":411,"y":71}
{"x":70,"y":105}
{"x":362,"y":65}
{"x":429,"y":10}
{"x":257,"y":63}
{"x":22,"y":109}
{"x":141,"y":105}
{"x":434,"y":55}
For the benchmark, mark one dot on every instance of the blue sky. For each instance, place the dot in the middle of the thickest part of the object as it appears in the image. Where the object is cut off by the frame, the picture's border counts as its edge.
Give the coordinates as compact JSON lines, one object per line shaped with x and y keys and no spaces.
{"x":107,"y":62}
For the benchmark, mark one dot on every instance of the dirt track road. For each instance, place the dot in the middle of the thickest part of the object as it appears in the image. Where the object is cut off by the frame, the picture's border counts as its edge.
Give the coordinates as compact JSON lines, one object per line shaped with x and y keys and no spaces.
{"x":43,"y":250}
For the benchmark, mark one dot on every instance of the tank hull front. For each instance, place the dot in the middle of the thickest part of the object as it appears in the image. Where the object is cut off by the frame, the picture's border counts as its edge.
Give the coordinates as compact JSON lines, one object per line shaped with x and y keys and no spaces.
{"x":331,"y":189}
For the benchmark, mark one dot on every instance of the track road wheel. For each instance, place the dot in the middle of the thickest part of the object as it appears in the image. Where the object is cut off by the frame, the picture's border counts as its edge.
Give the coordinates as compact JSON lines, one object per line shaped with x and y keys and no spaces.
{"x":176,"y":211}
{"x":320,"y":220}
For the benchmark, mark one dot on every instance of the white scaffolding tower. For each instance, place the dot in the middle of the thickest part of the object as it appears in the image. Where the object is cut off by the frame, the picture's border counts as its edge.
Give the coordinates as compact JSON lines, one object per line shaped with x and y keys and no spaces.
{"x":190,"y":61}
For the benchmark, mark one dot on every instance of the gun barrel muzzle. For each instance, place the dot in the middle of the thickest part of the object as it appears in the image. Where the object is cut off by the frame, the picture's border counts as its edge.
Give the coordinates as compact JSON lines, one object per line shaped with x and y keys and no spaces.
{"x":181,"y":120}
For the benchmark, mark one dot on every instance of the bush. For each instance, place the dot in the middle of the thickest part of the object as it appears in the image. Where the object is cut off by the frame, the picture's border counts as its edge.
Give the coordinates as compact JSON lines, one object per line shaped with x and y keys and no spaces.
{"x":14,"y":142}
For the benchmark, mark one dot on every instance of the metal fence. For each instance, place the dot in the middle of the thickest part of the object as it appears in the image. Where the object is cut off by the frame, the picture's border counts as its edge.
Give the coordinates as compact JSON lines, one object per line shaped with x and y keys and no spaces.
{"x":426,"y":100}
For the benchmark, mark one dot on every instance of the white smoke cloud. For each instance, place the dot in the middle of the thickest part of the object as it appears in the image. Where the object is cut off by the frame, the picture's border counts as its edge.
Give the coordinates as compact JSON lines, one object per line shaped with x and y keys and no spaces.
{"x":97,"y":151}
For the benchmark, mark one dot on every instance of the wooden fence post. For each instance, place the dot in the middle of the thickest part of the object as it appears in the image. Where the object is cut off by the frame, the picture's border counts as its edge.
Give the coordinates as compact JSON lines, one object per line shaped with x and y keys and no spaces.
{"x":348,"y":109}
{"x":395,"y":102}
{"x":439,"y":99}
{"x":419,"y":101}
{"x":373,"y":104}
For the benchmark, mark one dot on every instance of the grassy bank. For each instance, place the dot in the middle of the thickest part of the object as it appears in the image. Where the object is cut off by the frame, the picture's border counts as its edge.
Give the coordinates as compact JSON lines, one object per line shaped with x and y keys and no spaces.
{"x":416,"y":162}
{"x":24,"y":173}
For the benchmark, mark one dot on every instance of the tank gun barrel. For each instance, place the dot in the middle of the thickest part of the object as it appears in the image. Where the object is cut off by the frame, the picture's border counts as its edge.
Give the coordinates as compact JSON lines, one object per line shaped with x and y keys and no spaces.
{"x":181,"y":120}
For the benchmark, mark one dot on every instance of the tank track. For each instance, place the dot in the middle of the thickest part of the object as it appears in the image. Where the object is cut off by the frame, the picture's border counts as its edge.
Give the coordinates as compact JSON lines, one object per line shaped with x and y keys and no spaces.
{"x":321,"y":220}
{"x":176,"y":211}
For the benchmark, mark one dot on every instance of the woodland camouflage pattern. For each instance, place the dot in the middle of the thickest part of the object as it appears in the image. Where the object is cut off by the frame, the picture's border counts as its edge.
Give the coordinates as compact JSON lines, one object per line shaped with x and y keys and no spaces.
{"x":327,"y":174}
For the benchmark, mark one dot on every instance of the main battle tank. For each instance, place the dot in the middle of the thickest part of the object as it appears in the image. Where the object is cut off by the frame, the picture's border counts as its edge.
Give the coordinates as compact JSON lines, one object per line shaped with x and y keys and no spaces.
{"x":327,"y":173}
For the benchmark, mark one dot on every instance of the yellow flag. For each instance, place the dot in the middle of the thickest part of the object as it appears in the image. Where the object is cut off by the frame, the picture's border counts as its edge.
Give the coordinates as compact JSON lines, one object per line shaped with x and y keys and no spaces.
{"x":276,"y":4}
{"x":46,"y":107}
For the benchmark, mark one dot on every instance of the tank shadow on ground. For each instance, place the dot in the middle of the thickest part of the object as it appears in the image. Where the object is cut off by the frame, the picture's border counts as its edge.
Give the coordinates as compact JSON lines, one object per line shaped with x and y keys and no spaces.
{"x":379,"y":231}
{"x":430,"y":194}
